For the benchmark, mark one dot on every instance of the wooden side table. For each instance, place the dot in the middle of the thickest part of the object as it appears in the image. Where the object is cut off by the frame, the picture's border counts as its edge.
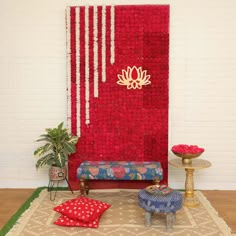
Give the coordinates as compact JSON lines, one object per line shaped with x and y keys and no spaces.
{"x":189,"y":199}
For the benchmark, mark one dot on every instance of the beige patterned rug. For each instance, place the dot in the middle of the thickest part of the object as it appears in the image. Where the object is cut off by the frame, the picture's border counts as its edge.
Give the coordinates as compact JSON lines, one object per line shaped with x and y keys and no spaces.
{"x":124,"y":218}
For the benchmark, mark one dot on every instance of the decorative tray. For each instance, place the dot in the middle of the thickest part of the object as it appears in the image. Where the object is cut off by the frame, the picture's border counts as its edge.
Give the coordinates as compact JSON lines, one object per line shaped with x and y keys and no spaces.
{"x":158,"y":189}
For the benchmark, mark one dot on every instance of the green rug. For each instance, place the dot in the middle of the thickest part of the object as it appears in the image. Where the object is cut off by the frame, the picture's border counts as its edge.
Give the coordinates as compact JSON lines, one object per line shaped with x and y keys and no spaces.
{"x":6,"y":228}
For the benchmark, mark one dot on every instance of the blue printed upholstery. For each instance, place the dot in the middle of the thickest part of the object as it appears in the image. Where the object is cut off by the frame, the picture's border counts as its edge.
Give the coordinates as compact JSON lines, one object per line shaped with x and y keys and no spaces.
{"x":120,"y":170}
{"x":159,"y":203}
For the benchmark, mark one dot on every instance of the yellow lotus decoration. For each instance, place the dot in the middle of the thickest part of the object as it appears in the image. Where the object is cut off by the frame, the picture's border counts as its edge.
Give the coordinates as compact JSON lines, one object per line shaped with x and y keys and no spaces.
{"x":134,"y":78}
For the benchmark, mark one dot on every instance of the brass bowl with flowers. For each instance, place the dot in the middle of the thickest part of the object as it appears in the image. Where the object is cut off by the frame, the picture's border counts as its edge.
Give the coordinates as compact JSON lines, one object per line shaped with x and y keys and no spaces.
{"x":187,"y":157}
{"x":187,"y":152}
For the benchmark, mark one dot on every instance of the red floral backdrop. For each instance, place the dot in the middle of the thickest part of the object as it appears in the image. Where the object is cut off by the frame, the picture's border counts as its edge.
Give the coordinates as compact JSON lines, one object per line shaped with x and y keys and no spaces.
{"x":118,"y":64}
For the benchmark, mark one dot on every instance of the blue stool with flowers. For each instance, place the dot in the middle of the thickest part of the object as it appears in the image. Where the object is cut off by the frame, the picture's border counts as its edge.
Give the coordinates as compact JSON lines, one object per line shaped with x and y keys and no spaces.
{"x":166,"y":201}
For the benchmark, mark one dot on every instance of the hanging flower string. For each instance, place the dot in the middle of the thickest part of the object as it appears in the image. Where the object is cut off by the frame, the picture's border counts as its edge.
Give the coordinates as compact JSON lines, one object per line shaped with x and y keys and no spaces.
{"x":187,"y":149}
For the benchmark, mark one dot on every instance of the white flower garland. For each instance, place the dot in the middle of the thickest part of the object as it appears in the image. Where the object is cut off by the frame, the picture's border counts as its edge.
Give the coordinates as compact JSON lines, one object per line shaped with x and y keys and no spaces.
{"x":77,"y":19}
{"x":103,"y":44}
{"x":95,"y":58}
{"x":95,"y":48}
{"x":68,"y":68}
{"x":112,"y":59}
{"x":87,"y":115}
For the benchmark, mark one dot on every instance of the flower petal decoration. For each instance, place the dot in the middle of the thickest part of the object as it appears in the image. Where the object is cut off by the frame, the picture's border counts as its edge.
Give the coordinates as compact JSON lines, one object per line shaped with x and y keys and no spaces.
{"x":133,"y":78}
{"x":187,"y":149}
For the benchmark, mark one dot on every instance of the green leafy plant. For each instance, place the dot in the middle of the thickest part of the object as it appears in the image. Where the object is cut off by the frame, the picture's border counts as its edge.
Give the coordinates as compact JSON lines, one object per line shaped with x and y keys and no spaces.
{"x":59,"y":143}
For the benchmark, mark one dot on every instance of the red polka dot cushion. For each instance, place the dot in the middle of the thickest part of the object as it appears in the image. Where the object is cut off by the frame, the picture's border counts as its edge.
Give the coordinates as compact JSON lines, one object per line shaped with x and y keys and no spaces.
{"x":65,"y":221}
{"x":82,"y":209}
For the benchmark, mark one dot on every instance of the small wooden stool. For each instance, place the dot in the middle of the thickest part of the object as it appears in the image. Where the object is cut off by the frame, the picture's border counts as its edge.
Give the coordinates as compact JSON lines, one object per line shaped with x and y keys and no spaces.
{"x":167,"y":204}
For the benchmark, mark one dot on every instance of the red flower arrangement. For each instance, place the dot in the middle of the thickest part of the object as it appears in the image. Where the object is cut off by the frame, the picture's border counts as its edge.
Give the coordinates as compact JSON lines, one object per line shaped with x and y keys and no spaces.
{"x":187,"y":149}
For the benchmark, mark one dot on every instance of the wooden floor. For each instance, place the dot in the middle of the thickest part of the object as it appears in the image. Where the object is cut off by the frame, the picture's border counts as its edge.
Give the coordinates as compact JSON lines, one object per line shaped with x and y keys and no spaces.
{"x":223,"y":201}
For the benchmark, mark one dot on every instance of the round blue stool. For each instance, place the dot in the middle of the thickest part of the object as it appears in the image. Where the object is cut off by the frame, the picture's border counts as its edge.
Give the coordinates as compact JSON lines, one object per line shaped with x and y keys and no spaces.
{"x":167,"y":204}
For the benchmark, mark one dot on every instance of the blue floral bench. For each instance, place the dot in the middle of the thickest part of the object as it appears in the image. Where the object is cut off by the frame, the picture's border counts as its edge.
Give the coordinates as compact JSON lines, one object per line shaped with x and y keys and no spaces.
{"x":118,"y":170}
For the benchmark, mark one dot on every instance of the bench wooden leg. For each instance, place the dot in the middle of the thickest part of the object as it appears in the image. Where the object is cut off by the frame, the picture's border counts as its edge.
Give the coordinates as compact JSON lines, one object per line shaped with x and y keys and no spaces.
{"x":84,"y":188}
{"x":156,"y":181}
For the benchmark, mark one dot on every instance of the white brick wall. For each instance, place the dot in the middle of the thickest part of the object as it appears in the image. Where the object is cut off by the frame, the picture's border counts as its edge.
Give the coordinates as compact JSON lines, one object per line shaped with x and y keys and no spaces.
{"x":202,"y":84}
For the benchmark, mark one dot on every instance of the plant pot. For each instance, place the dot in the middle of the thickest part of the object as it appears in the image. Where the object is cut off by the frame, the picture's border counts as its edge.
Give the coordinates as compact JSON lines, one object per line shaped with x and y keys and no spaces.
{"x":57,"y":174}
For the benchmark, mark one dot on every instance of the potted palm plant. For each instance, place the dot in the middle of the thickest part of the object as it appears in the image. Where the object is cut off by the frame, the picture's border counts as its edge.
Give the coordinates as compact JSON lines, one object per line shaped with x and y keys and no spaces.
{"x":58,"y":145}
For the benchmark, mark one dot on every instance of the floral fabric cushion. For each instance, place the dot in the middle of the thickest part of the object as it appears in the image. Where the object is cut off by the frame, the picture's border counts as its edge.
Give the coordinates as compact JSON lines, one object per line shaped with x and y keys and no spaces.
{"x":123,"y":170}
{"x":65,"y":221}
{"x":82,"y":209}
